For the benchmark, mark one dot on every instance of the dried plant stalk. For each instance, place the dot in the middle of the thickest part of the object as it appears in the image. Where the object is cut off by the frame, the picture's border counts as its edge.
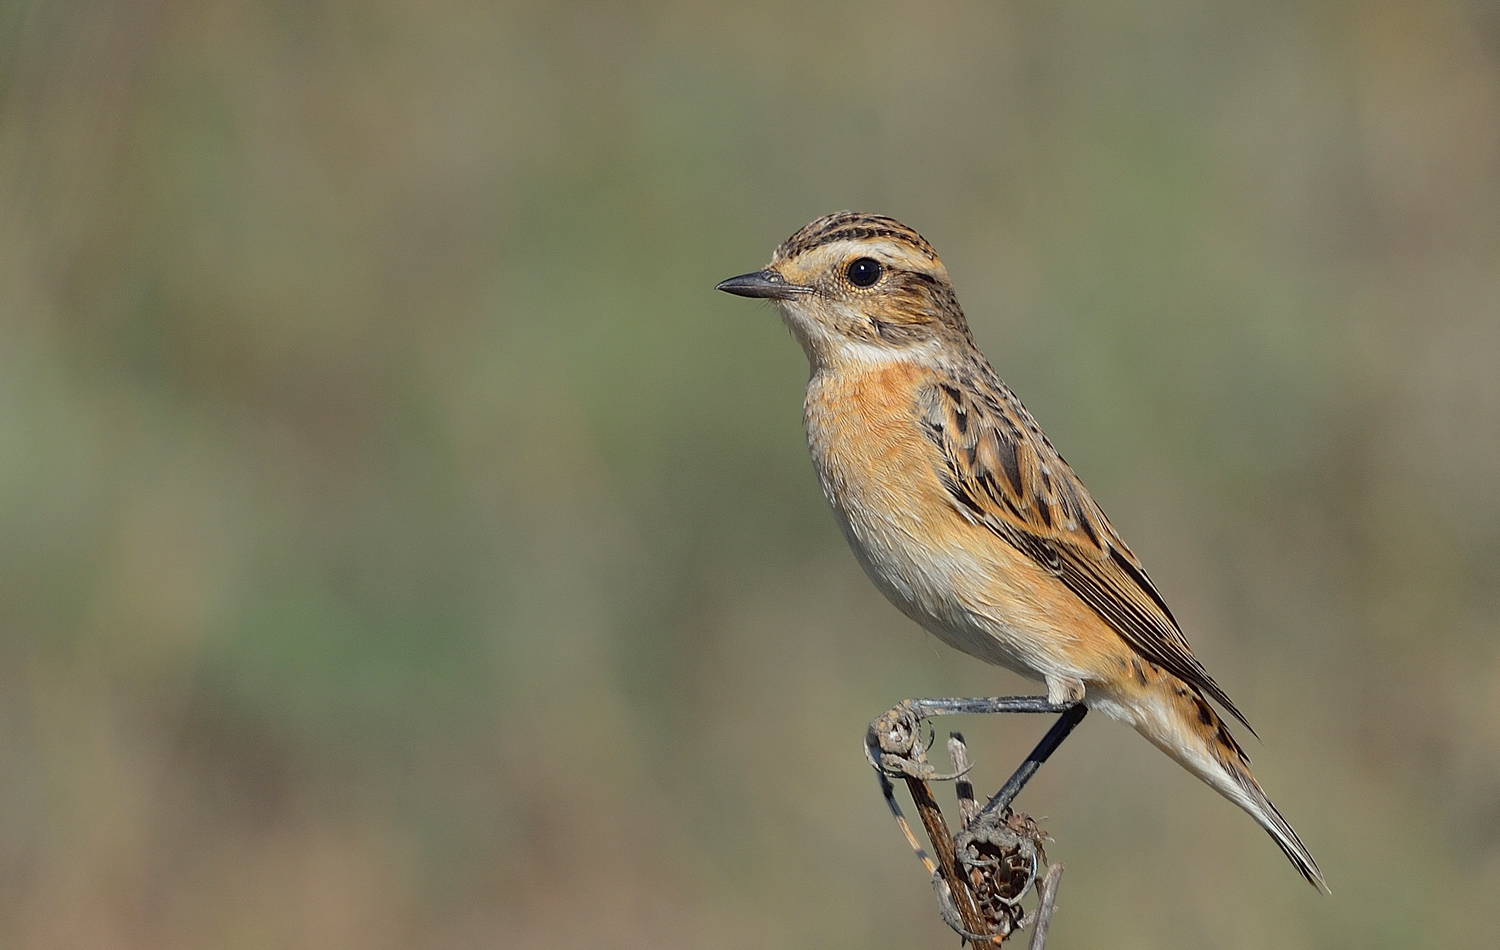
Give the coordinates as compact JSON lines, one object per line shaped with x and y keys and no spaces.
{"x":983,"y":872}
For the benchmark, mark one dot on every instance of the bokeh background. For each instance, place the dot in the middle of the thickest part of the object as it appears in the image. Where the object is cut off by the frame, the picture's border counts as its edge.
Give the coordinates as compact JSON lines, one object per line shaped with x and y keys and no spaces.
{"x":401,"y":544}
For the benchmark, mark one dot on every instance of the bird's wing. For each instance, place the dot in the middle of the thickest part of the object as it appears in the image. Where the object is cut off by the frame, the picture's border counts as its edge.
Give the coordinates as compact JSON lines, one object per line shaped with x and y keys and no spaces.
{"x":1001,"y":472}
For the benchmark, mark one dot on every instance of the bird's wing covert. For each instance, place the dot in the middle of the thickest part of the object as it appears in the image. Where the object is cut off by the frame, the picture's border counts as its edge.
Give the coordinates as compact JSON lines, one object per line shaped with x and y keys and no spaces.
{"x":1002,"y":472}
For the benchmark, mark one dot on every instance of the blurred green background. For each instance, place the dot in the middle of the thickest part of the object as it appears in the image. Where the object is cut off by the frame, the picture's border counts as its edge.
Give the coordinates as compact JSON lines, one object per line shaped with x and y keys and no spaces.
{"x":402,"y":545}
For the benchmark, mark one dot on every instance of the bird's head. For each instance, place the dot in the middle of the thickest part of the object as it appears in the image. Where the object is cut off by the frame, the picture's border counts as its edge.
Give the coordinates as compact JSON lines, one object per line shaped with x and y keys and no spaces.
{"x":859,"y":287}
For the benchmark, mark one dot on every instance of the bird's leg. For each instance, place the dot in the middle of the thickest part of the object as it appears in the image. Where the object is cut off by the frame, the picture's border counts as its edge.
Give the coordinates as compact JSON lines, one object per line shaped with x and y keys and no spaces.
{"x":894,"y":742}
{"x":994,"y":826}
{"x":1000,"y":801}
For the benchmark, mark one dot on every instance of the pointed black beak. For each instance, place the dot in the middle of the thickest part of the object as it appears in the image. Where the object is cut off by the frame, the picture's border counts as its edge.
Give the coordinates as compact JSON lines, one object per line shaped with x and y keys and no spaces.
{"x":762,"y":283}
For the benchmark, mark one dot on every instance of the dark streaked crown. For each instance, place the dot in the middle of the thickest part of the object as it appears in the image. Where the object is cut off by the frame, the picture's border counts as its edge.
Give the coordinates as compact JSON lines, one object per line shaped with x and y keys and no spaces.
{"x":851,"y":226}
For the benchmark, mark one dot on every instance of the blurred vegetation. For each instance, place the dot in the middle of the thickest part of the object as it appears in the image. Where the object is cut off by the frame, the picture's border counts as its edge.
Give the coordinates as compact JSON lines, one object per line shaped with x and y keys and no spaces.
{"x":401,"y":545}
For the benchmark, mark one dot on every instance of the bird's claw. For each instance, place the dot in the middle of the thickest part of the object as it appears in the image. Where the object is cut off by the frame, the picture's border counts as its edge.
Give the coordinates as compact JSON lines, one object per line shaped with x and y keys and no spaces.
{"x":955,"y":921}
{"x":895,"y":747}
{"x":1000,"y":855}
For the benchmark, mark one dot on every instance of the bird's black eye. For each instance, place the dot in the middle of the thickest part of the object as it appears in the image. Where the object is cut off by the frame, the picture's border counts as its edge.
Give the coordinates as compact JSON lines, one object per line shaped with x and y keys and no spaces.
{"x":863,"y":271}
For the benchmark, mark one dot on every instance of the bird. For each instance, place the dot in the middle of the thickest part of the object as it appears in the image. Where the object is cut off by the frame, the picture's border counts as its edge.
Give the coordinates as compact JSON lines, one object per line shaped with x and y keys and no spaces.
{"x":965,"y":516}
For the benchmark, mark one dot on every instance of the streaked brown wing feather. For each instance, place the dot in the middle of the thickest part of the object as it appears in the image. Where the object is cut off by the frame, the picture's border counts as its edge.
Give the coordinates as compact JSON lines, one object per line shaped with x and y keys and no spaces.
{"x":1003,"y":473}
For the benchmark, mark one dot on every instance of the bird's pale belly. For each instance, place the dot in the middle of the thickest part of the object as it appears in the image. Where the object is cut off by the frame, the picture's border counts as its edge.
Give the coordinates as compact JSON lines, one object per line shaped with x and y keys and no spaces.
{"x":952,"y":594}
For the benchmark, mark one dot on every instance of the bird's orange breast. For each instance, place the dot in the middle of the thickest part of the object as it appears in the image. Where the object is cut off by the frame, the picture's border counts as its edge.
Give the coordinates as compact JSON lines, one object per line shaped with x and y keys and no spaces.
{"x":865,"y":439}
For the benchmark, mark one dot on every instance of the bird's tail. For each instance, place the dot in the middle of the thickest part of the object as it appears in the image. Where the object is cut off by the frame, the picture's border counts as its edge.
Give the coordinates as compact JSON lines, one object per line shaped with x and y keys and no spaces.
{"x":1180,"y":722}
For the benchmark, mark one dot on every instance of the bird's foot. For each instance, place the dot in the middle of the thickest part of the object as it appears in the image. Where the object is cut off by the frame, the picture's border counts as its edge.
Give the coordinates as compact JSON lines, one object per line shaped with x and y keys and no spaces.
{"x":895,"y":744}
{"x":1000,"y":855}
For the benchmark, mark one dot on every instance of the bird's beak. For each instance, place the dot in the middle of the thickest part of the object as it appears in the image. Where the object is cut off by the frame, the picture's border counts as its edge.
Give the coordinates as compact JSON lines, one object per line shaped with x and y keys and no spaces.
{"x":762,"y":283}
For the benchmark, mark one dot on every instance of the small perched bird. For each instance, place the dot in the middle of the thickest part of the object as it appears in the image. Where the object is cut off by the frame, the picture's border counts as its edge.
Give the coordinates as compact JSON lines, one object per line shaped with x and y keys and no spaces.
{"x":965,"y":516}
